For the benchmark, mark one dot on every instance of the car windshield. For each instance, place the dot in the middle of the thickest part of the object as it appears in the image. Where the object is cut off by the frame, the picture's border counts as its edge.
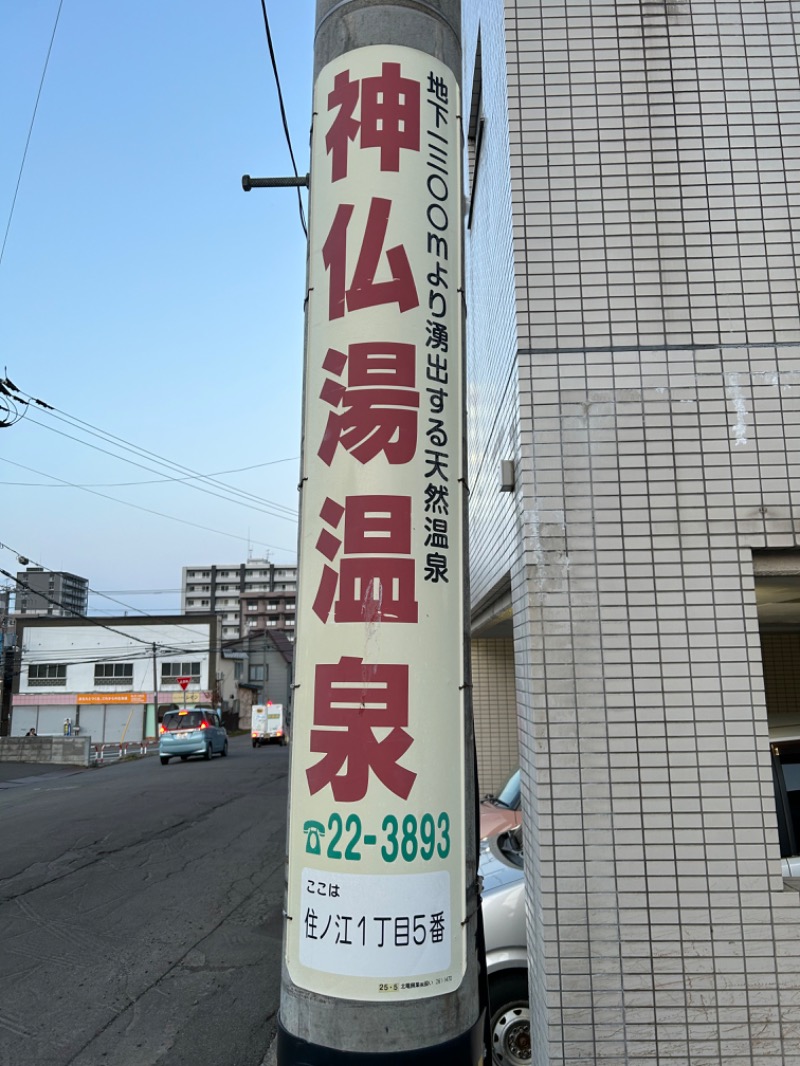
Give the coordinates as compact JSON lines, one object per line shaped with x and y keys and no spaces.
{"x":189,"y":720}
{"x":509,"y":797}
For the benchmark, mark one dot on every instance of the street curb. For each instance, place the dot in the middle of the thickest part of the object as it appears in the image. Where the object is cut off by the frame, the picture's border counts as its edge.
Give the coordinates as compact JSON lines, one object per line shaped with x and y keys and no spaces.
{"x":271,"y":1058}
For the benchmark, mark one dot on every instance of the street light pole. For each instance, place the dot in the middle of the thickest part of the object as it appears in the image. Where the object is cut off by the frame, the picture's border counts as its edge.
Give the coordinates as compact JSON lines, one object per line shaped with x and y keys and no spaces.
{"x":382,"y":940}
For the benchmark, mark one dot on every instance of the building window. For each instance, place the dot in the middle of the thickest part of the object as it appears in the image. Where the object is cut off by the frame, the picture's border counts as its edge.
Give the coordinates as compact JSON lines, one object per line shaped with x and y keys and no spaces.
{"x":258,"y":673}
{"x":113,"y":673}
{"x":170,"y":672}
{"x":48,"y":674}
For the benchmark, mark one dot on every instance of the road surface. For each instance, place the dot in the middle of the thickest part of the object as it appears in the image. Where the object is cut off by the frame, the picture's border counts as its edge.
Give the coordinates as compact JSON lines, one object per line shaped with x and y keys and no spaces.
{"x":140,"y":911}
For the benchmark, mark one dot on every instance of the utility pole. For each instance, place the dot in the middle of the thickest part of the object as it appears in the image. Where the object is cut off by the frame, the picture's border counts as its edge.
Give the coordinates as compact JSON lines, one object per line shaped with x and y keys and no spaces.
{"x":382,"y":943}
{"x":155,"y":694}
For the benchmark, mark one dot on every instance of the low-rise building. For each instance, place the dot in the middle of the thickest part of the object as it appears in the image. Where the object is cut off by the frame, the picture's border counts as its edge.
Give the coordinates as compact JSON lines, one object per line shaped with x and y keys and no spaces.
{"x":256,"y":669}
{"x":109,"y":678}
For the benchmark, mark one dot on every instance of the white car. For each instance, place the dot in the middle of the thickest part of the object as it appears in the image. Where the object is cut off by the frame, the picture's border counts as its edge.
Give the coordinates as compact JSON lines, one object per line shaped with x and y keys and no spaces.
{"x":503,"y":903}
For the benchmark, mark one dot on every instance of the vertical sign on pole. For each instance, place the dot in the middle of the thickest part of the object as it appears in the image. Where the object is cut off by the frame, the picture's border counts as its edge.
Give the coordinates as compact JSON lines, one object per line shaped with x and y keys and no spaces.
{"x":376,"y":898}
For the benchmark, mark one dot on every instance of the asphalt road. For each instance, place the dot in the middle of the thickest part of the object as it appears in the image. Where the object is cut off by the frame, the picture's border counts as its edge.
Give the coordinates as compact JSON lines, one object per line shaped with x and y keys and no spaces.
{"x":140,"y":911}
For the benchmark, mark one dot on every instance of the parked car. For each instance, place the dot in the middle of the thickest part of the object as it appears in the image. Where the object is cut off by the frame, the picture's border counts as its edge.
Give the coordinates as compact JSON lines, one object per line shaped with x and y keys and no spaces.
{"x":502,"y":812}
{"x":191,"y":732}
{"x":503,"y":904}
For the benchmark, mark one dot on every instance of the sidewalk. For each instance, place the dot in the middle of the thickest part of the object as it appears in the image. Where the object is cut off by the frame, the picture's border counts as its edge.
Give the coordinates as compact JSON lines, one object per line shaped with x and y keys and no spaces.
{"x":23,"y":773}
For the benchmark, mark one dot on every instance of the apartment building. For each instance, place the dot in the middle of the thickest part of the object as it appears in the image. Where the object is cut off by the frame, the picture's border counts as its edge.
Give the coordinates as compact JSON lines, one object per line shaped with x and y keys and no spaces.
{"x":633,"y":233}
{"x":51,"y":593}
{"x":257,"y":594}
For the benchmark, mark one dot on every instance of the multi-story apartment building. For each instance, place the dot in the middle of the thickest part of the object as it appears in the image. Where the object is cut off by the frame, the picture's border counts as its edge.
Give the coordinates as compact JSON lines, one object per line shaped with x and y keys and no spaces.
{"x":56,"y":594}
{"x":246,"y":596}
{"x":633,"y":236}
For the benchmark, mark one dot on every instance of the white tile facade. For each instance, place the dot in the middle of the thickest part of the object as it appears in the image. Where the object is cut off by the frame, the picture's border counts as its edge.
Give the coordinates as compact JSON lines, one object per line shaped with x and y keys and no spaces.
{"x":634,"y":344}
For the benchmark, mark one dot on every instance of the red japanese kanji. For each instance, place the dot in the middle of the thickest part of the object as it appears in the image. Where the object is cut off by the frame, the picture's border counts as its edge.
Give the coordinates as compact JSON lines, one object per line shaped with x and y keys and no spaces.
{"x":376,"y":586}
{"x":379,"y":405}
{"x":344,"y":127}
{"x":390,"y":117}
{"x":351,"y":700}
{"x":364,"y":290}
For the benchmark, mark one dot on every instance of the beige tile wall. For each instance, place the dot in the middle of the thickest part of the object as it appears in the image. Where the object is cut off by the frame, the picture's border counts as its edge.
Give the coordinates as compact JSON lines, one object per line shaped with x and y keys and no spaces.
{"x":494,"y":705}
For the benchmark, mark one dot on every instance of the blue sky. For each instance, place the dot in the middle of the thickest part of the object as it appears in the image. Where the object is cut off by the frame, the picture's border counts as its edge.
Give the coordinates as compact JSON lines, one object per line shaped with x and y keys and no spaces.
{"x":143,"y":293}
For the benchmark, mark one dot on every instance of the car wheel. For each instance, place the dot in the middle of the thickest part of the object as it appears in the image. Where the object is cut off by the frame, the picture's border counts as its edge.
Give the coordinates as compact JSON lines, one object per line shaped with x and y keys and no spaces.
{"x":511,"y":1019}
{"x":184,"y":758}
{"x":255,"y":743}
{"x":207,"y":752}
{"x":164,"y":760}
{"x":224,"y":751}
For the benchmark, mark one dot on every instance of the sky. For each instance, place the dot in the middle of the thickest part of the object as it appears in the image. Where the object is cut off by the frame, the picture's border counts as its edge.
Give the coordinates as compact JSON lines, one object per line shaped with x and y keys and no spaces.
{"x":144,"y":296}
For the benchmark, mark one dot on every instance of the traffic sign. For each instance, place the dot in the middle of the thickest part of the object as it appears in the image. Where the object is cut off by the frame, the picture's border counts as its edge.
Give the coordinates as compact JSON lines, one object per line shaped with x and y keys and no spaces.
{"x":184,"y":682}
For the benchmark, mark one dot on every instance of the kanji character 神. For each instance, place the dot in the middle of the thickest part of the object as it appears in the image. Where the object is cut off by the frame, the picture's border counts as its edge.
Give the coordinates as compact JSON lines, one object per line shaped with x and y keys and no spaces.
{"x":390,"y":117}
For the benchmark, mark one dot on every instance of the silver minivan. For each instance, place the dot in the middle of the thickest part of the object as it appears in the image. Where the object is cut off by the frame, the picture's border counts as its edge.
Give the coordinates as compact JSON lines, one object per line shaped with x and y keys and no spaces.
{"x":191,"y":732}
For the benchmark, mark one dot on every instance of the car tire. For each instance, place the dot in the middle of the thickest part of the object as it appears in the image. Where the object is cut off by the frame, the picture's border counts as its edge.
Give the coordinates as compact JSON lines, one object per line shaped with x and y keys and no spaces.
{"x":255,"y":743}
{"x":510,"y":1024}
{"x":224,"y":751}
{"x":207,"y":752}
{"x":164,"y":760}
{"x":184,"y":758}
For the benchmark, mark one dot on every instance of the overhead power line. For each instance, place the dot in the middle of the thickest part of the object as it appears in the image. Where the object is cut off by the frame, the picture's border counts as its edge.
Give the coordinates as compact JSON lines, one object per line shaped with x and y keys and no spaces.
{"x":30,"y":131}
{"x":283,"y":112}
{"x":246,"y":499}
{"x":147,"y":510}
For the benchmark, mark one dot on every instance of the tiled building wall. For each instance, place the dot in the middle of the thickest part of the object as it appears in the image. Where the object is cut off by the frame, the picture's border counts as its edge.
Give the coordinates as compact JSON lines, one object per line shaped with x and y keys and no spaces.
{"x":490,"y":323}
{"x":655,"y":178}
{"x":494,"y":705}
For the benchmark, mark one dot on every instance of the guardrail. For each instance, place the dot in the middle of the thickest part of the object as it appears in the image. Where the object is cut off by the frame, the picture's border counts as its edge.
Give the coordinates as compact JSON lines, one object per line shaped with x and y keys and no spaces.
{"x":103,"y":753}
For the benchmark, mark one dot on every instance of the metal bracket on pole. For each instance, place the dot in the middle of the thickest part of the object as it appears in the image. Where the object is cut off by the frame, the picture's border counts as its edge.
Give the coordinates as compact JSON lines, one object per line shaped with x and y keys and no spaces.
{"x":249,"y":183}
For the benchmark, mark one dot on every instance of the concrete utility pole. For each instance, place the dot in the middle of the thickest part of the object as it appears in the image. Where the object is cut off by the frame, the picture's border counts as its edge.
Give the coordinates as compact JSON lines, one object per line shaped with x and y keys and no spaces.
{"x":382,"y":943}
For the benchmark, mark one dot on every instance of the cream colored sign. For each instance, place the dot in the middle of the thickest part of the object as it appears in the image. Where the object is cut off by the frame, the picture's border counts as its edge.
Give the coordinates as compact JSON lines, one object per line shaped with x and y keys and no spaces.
{"x":376,"y":894}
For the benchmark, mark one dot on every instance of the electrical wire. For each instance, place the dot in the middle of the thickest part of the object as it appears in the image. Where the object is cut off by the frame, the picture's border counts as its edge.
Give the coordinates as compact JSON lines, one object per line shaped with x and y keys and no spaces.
{"x":248,"y":499}
{"x":57,"y":603}
{"x":147,"y":510}
{"x":283,"y":112}
{"x":30,"y":131}
{"x":159,"y":481}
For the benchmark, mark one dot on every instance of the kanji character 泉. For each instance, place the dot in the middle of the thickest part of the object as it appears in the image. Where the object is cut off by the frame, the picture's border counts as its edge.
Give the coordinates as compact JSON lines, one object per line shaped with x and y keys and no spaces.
{"x":352,"y":700}
{"x":374,"y":585}
{"x":436,"y":568}
{"x":364,"y":290}
{"x":378,"y":406}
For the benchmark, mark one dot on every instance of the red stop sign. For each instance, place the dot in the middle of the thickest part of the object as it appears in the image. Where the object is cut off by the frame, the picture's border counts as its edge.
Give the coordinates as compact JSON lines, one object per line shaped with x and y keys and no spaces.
{"x":184,"y":682}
